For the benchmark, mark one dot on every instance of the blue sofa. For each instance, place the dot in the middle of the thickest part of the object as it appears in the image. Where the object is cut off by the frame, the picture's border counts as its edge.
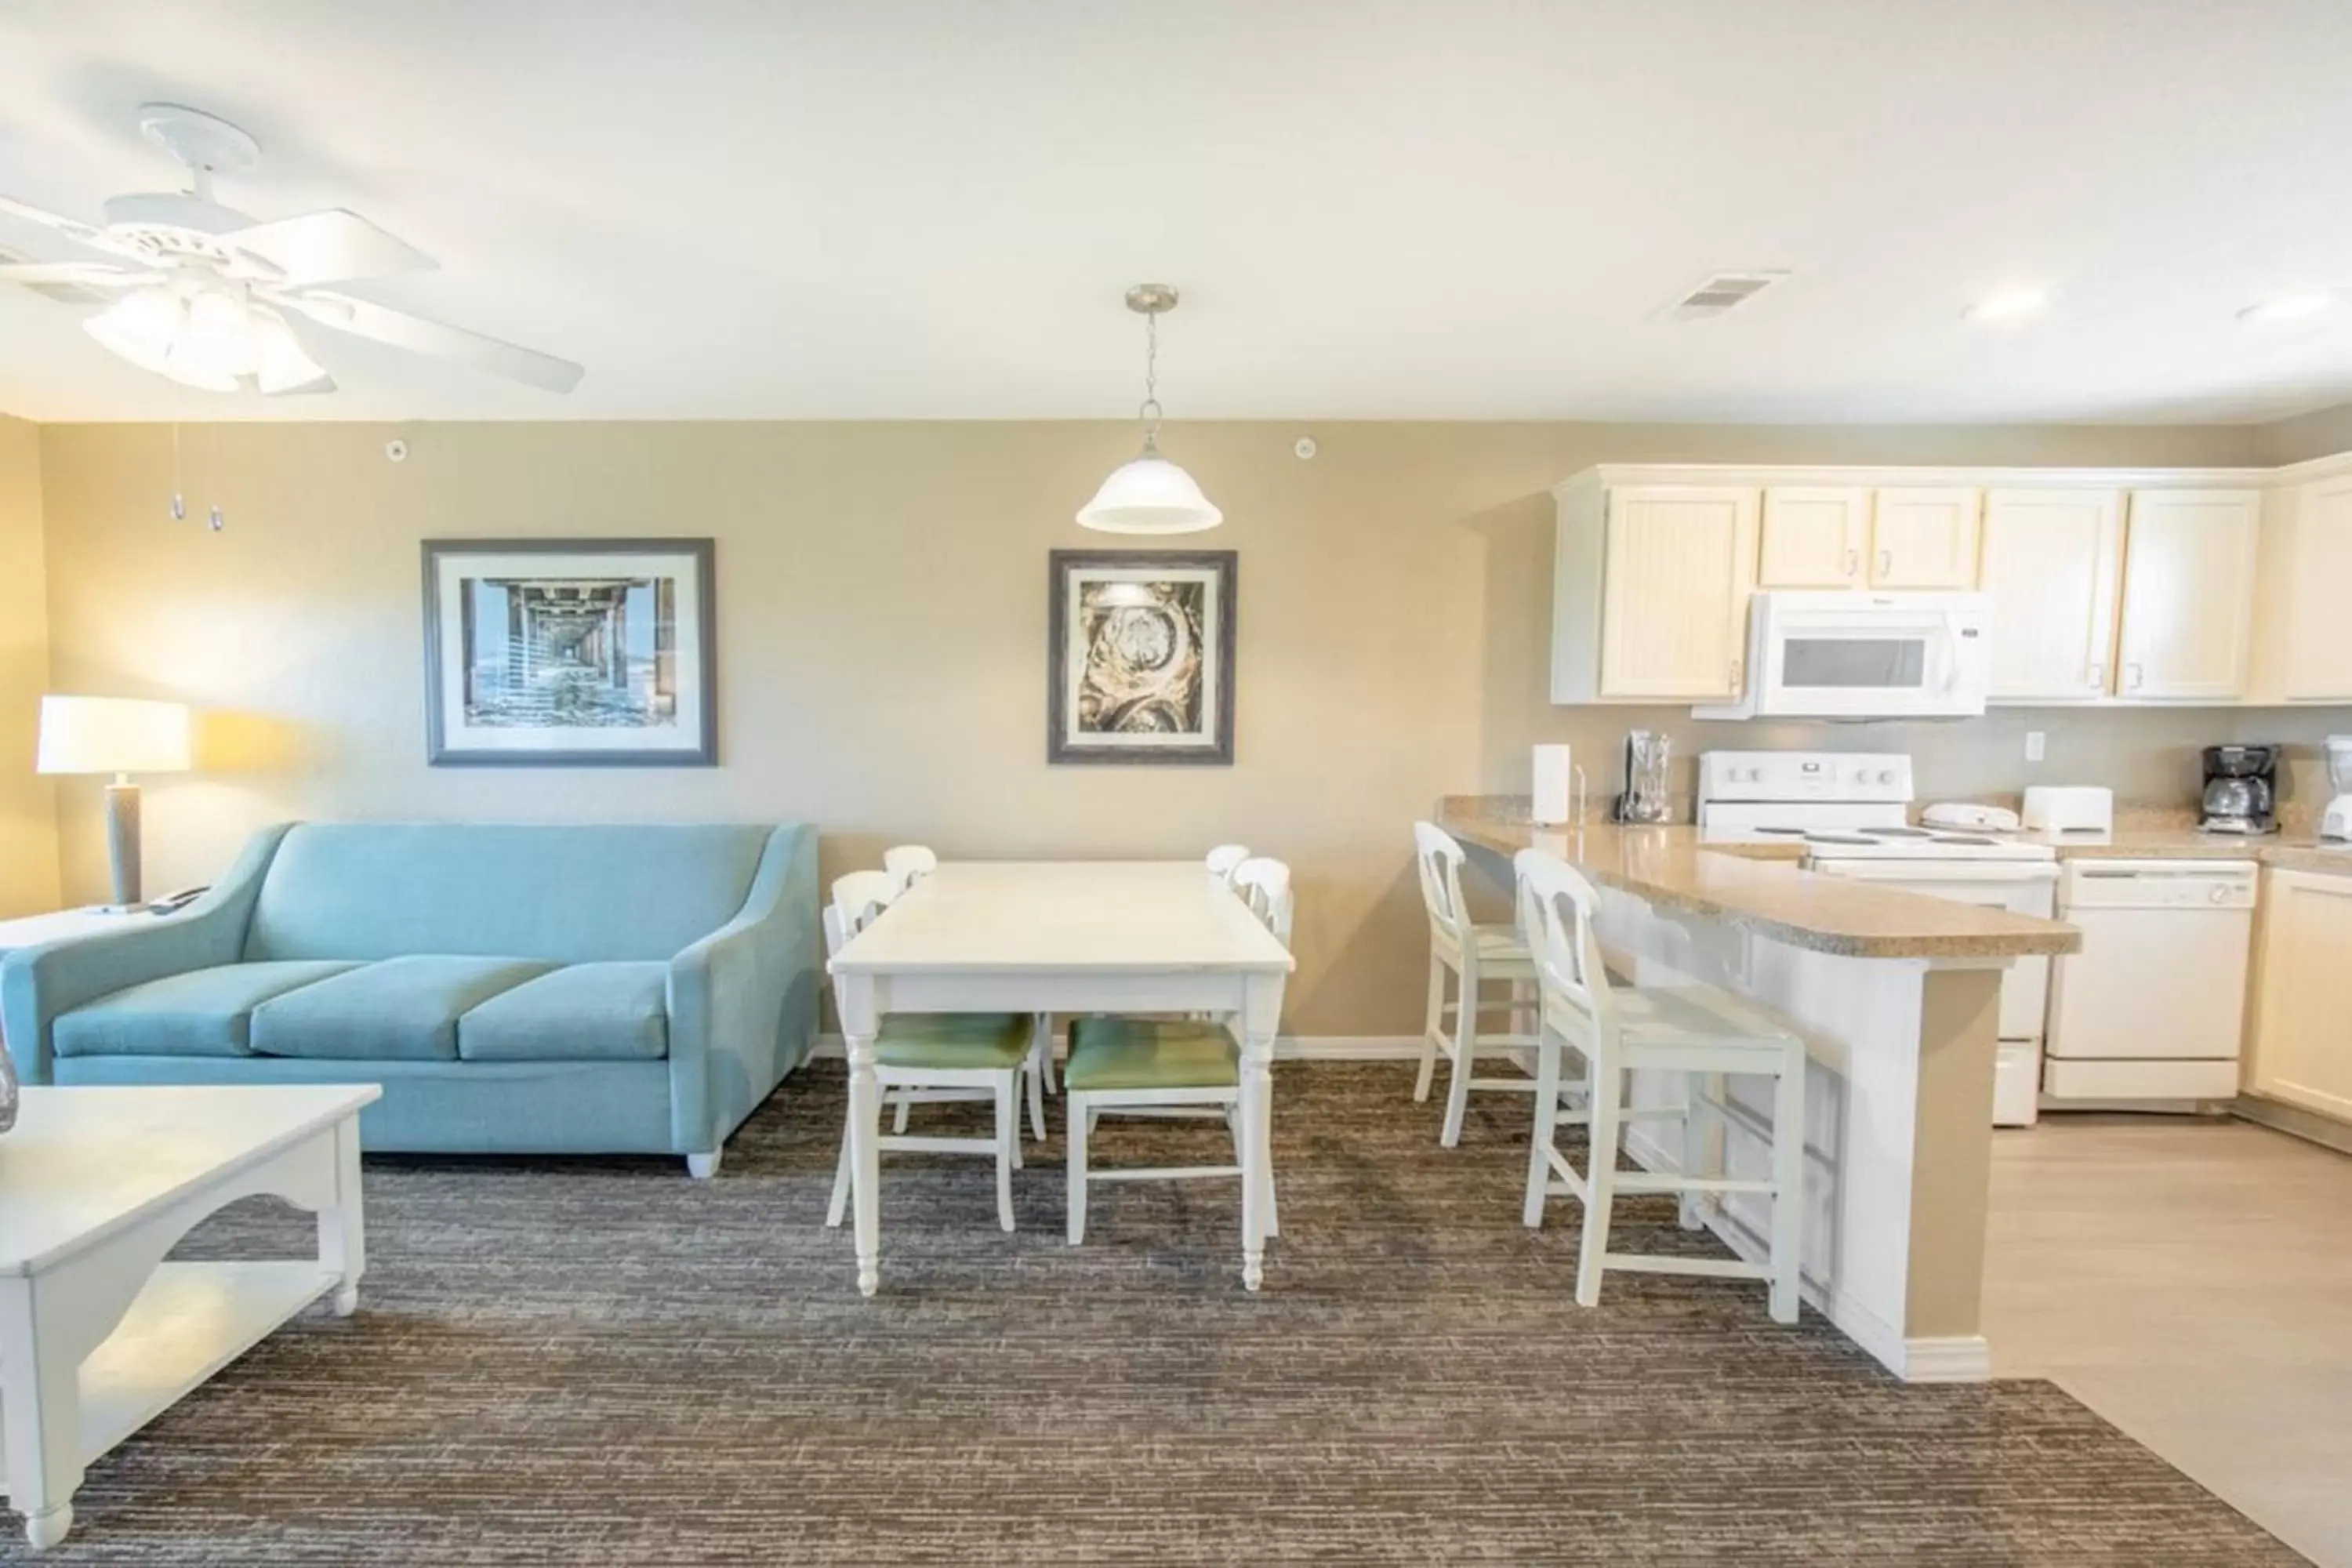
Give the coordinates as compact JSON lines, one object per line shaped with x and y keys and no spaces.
{"x":515,"y":989}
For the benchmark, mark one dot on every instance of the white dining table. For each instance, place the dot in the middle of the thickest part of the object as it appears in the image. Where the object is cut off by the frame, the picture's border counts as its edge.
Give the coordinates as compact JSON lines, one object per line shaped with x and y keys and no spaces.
{"x":1063,"y":937}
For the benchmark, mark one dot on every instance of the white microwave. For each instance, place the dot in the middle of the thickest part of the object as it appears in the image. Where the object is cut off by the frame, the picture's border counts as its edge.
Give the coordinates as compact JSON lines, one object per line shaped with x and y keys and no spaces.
{"x":1847,"y":654}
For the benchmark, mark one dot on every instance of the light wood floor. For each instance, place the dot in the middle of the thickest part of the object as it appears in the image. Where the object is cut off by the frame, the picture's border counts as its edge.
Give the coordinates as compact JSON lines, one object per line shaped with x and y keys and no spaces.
{"x":2191,"y":1282}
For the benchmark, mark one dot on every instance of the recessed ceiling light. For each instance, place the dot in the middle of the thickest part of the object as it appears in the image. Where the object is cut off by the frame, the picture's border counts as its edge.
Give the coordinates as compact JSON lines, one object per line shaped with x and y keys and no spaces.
{"x":2288,"y":308}
{"x":2010,"y":305}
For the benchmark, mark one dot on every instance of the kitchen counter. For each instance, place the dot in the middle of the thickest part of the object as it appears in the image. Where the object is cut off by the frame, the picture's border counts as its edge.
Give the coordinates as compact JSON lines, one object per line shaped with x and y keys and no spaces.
{"x":1758,"y":889}
{"x":2289,"y":851}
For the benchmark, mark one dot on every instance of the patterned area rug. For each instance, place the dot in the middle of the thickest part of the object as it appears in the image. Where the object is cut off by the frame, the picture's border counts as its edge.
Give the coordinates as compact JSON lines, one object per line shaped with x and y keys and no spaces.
{"x":602,"y":1362}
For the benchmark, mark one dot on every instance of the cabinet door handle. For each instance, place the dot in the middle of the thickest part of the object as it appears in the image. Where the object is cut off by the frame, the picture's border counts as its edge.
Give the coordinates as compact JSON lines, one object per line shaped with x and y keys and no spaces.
{"x":2098,"y":677}
{"x":1853,"y":561}
{"x":1886,"y":562}
{"x":1735,"y":678}
{"x":2138,"y":674}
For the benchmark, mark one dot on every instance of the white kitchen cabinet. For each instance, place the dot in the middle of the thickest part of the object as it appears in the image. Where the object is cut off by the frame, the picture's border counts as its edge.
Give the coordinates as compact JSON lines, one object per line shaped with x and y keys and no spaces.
{"x":1924,"y":538}
{"x":2051,"y":563}
{"x":2189,"y":594}
{"x":2301,"y":1050}
{"x":1650,"y":586}
{"x":1814,"y":536}
{"x":2318,"y":567}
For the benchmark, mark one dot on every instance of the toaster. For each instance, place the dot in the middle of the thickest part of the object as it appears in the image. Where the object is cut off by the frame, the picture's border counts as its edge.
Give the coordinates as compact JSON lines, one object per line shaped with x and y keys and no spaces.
{"x":2070,"y":808}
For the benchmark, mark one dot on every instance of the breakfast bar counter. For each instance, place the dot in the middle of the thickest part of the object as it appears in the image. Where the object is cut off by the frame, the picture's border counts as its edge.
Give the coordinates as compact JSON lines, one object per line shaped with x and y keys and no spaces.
{"x":1897,"y":996}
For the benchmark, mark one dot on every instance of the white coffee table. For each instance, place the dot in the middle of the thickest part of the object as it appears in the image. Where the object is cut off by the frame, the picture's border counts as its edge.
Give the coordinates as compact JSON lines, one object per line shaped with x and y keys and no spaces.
{"x":98,"y":1334}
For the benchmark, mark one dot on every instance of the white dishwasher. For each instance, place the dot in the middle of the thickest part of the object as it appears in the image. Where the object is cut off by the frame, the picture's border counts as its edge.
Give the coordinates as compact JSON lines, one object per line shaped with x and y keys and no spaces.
{"x":2151,"y":1011}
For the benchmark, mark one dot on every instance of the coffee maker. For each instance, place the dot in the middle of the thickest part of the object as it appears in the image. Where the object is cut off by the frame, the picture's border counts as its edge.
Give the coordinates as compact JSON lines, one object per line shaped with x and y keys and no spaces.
{"x":2241,"y":790}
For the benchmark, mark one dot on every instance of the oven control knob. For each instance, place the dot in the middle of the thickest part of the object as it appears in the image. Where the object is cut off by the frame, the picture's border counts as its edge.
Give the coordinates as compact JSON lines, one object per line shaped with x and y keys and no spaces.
{"x":2219,"y":895}
{"x":1886,"y":775}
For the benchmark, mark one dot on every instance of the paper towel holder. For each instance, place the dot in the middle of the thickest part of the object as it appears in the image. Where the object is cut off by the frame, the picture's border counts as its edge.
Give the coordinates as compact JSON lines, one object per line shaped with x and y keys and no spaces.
{"x":1576,"y":792}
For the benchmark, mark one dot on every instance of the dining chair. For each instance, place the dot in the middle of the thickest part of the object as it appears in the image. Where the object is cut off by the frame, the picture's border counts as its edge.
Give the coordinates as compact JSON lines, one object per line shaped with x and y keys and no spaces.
{"x":1224,"y":857}
{"x":933,"y":1055}
{"x":1170,"y":1068}
{"x":908,"y":862}
{"x":905,"y":865}
{"x":1703,"y":1033}
{"x":1476,"y":956}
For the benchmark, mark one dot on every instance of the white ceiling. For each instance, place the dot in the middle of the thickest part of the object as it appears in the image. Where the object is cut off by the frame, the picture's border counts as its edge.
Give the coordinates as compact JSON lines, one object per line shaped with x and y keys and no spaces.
{"x":930,"y":209}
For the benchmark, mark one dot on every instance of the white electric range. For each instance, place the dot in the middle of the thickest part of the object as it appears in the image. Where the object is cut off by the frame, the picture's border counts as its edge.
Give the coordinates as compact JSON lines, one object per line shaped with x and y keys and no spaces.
{"x":1851,"y":813}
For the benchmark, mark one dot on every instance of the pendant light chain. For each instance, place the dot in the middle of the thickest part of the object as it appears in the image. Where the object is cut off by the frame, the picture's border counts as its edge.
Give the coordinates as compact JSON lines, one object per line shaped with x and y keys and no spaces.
{"x":1149,"y":412}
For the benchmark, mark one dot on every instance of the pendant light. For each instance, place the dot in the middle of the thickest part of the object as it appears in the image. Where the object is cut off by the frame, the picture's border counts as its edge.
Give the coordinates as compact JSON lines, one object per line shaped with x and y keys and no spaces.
{"x":1150,"y":494}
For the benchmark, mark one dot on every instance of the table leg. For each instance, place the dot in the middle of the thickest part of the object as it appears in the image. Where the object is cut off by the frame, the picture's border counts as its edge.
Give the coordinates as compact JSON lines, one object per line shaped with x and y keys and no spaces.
{"x":1261,"y":1009}
{"x":858,"y":1028}
{"x":342,"y":1230}
{"x":40,"y":1419}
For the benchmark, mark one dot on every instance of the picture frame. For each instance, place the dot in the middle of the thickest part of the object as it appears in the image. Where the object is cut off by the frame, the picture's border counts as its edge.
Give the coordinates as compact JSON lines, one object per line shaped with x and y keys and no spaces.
{"x":1140,"y":657}
{"x":571,"y":653}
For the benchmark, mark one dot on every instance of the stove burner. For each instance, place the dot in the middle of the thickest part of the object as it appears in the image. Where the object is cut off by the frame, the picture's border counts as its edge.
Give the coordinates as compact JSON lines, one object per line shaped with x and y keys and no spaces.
{"x":1835,"y":838}
{"x":1794,"y":832}
{"x":1963,"y":839}
{"x":1895,"y":832}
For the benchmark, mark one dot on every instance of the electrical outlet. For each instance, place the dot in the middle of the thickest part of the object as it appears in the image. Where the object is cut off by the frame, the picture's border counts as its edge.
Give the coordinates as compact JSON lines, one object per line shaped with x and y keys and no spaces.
{"x":2033,"y":745}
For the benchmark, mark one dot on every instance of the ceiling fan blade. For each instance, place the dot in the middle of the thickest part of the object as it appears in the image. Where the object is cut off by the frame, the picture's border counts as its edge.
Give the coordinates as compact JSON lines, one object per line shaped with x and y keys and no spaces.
{"x":331,"y":246}
{"x":87,"y":274}
{"x":72,"y":228}
{"x":381,"y":323}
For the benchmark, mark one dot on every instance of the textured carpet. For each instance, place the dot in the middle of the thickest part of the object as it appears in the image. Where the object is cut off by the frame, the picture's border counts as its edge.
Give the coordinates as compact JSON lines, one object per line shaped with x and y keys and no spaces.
{"x":602,"y":1362}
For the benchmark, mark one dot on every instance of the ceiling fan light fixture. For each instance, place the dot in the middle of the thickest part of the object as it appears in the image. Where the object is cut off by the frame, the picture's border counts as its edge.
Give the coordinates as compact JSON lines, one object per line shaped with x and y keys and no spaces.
{"x":284,"y":365}
{"x":147,"y":327}
{"x":218,"y":338}
{"x":1149,"y":494}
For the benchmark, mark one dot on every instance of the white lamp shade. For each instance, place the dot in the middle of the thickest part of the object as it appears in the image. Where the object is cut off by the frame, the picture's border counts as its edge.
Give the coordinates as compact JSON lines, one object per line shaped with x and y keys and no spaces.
{"x":112,"y":735}
{"x":1150,"y":495}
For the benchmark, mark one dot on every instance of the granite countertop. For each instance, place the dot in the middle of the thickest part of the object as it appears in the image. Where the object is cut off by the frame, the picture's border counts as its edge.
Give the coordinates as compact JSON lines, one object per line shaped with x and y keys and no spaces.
{"x":2290,"y":850}
{"x":1758,"y":888}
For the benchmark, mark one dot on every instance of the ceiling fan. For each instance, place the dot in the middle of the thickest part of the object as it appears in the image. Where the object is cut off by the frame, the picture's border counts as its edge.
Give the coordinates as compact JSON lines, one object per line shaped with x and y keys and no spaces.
{"x":210,"y":294}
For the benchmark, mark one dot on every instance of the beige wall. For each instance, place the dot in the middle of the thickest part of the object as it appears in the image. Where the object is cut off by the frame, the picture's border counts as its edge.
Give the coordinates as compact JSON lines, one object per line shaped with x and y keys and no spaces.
{"x":2321,"y":433}
{"x":28,"y":835}
{"x":882,"y":611}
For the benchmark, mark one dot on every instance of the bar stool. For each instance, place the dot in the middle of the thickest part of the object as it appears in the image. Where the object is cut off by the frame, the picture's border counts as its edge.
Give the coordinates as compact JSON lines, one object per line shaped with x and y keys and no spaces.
{"x":1476,"y":955}
{"x":934,"y":1057}
{"x":1700,"y":1031}
{"x":1170,"y":1068}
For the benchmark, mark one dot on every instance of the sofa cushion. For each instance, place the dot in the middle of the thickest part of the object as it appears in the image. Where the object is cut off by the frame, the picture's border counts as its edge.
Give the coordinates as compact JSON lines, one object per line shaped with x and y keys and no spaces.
{"x":589,"y":1012}
{"x":198,"y":1013}
{"x":566,"y":894}
{"x":403,"y":1009}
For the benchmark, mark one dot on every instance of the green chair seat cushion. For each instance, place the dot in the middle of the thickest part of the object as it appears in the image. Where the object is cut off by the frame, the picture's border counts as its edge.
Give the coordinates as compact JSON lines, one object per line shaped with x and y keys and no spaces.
{"x":1151,"y":1053}
{"x":951,"y":1040}
{"x":402,"y":1009}
{"x":198,"y":1013}
{"x":584,"y":1012}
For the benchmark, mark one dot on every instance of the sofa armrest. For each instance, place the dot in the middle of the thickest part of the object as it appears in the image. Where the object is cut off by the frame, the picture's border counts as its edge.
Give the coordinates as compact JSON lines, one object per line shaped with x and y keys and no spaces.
{"x":742,"y":1001}
{"x":38,"y":984}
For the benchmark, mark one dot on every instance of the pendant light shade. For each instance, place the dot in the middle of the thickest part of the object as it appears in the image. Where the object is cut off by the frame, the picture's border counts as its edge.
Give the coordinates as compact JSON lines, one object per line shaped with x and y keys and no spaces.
{"x":1149,"y":494}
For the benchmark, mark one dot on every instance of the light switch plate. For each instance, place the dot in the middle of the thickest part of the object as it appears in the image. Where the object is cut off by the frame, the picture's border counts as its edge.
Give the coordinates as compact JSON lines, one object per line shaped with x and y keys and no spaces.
{"x":2033,"y":745}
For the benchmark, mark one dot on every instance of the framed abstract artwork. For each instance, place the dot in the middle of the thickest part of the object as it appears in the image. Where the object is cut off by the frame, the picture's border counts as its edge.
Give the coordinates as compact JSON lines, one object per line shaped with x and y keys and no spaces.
{"x":1140,"y":657}
{"x":569,"y":653}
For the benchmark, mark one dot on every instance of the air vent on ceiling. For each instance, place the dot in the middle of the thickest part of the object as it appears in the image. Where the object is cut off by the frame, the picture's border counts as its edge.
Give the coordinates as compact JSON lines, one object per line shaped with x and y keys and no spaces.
{"x":1720,"y":293}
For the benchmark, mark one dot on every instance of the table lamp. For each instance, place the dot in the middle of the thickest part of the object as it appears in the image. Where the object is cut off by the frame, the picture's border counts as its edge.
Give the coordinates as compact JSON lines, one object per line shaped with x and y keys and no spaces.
{"x":120,"y":736}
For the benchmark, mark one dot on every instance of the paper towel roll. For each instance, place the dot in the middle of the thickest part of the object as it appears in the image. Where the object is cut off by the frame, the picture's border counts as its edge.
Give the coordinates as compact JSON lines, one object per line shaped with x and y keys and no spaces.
{"x":1550,"y":791}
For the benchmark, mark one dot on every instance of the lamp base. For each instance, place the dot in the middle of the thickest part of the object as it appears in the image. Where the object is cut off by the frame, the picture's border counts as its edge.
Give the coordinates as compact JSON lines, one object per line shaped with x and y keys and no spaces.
{"x":122,"y":843}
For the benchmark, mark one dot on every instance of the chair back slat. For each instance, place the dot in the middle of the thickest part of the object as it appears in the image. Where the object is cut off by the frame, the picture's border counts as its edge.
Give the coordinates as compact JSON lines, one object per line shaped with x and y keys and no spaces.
{"x":1226,"y":858}
{"x":857,"y":898}
{"x":1439,"y":858}
{"x":1264,"y":884}
{"x":1558,"y":908}
{"x":908,"y":863}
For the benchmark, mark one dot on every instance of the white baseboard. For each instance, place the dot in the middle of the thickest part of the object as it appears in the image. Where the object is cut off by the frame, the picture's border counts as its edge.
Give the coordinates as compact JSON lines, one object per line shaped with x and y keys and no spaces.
{"x":1945,"y":1358}
{"x":1287,"y":1047}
